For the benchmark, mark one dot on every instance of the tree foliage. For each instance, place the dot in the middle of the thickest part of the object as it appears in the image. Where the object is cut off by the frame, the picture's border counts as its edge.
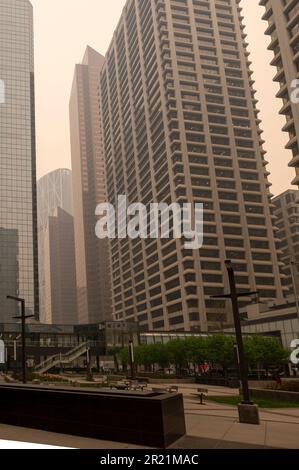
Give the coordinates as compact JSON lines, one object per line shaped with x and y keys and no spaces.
{"x":221,"y":350}
{"x":215,"y":350}
{"x":263,"y":350}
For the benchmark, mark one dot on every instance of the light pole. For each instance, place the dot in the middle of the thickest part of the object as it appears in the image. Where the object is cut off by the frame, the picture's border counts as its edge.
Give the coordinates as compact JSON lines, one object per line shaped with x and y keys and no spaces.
{"x":248,"y":412}
{"x":23,"y":319}
{"x":132,"y":359}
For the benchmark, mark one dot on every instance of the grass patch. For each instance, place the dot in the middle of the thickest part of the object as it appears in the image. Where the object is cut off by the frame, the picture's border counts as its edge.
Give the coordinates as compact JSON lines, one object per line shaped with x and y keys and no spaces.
{"x":261,"y":402}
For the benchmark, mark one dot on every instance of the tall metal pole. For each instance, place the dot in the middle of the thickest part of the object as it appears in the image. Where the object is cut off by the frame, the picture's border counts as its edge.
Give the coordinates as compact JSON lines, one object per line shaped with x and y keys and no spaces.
{"x":132,"y":359}
{"x":248,"y":411}
{"x":239,"y":337}
{"x":23,"y":341}
{"x":23,"y":319}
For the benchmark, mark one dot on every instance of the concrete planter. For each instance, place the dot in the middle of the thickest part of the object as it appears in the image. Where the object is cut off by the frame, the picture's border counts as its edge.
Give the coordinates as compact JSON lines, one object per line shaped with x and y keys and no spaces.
{"x":144,"y":418}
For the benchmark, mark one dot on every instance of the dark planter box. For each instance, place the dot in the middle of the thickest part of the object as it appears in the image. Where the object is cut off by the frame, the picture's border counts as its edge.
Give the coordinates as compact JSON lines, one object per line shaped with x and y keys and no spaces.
{"x":148,"y":419}
{"x":214,"y":381}
{"x":218,"y":381}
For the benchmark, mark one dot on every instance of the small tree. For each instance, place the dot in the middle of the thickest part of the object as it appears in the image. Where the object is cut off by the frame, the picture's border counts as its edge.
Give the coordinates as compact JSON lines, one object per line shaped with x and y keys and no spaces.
{"x":177,"y":351}
{"x":124,"y":357}
{"x":196,"y":350}
{"x":161,"y":355}
{"x":145,"y":355}
{"x":220,"y":350}
{"x":266,"y":351}
{"x":115,"y":353}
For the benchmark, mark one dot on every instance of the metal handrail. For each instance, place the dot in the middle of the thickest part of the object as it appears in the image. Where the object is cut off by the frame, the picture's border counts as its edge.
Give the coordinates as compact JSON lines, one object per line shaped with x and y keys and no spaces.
{"x":83,"y":347}
{"x":47,"y":362}
{"x":62,"y":358}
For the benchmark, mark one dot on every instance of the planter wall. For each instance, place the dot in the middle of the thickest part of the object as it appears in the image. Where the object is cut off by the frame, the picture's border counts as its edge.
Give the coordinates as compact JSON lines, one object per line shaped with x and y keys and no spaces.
{"x":147,"y":419}
{"x":280,"y":395}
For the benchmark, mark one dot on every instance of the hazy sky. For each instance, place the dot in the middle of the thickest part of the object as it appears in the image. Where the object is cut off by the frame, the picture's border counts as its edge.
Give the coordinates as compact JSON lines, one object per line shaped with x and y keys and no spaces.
{"x":63,"y":28}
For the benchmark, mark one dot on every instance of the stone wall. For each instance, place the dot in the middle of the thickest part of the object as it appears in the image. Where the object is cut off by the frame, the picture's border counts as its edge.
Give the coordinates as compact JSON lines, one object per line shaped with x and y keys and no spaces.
{"x":280,"y":395}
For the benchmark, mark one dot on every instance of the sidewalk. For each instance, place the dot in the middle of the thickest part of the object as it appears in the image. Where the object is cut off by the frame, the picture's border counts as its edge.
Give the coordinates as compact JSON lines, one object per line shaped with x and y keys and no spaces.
{"x":23,"y":435}
{"x":279,"y":428}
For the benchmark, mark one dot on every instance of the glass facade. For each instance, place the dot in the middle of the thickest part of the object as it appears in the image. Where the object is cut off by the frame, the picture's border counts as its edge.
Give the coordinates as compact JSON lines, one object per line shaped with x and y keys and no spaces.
{"x":18,"y":239}
{"x":53,"y":190}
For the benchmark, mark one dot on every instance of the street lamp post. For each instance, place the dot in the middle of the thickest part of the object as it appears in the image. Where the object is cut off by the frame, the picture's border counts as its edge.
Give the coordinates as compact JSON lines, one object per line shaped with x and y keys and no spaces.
{"x":248,"y":412}
{"x":132,"y":359}
{"x":23,"y":319}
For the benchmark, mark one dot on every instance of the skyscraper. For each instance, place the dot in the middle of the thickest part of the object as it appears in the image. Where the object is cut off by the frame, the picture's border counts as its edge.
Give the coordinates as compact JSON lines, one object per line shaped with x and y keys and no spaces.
{"x":283,"y":18}
{"x":180,"y":124}
{"x":287,"y":224}
{"x":92,"y":257}
{"x":54,"y":190}
{"x":60,"y":287}
{"x":58,"y":303}
{"x":18,"y":217}
{"x":9,"y":256}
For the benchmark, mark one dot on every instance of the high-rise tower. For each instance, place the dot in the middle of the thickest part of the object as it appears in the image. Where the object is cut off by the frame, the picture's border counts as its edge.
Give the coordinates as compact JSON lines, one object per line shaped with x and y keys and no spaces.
{"x":287,"y":224}
{"x":60,"y":287}
{"x":180,"y":124}
{"x":57,"y":272}
{"x":92,"y":256}
{"x":283,"y":18}
{"x":18,"y":219}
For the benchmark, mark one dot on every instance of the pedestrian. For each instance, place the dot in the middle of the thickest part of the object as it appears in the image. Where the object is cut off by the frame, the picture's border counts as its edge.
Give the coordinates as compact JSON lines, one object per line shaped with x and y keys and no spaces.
{"x":277,"y":378}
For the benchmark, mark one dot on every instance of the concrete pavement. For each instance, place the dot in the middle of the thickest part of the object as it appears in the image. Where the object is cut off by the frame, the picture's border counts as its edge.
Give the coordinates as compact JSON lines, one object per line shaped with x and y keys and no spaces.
{"x":23,"y":435}
{"x":279,"y":427}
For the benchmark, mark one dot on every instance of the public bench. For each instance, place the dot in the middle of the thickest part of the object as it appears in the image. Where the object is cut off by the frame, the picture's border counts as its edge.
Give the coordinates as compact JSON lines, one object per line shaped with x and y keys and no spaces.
{"x":202,"y":393}
{"x":118,"y":385}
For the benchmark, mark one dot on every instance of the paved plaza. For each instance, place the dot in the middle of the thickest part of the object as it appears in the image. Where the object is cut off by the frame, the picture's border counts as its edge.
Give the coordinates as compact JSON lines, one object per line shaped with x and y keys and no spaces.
{"x":279,"y":427}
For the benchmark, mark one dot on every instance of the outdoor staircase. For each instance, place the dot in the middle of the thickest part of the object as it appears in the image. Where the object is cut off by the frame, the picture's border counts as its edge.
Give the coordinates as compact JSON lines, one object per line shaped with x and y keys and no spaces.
{"x":62,"y":359}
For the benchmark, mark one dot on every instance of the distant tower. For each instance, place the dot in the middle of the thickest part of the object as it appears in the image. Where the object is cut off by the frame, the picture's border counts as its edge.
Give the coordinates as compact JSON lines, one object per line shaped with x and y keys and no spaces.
{"x":57,"y":274}
{"x":60,"y":300}
{"x":287,"y":225}
{"x":54,"y":190}
{"x":283,"y":19}
{"x":92,"y":257}
{"x":18,"y":218}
